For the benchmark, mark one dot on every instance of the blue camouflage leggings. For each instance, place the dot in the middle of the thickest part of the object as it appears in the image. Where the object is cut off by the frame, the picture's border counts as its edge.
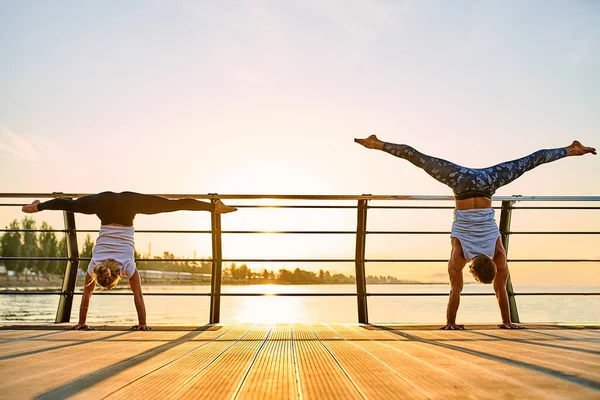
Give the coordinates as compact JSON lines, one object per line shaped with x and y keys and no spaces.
{"x":470,"y":182}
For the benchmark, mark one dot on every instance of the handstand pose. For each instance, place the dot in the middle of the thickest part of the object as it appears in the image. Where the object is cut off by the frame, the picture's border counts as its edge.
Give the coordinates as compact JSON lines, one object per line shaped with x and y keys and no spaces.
{"x":113,"y":254}
{"x":475,"y":236}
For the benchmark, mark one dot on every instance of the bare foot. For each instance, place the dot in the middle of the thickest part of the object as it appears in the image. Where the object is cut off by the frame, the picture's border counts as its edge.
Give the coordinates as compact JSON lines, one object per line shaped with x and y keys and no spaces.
{"x":371,"y":142}
{"x":577,"y":149}
{"x":222,"y":208}
{"x":31,"y":208}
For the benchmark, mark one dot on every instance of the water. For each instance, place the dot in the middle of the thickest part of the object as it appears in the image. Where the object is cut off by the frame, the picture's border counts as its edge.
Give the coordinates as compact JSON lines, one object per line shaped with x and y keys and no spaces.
{"x":194,"y":310}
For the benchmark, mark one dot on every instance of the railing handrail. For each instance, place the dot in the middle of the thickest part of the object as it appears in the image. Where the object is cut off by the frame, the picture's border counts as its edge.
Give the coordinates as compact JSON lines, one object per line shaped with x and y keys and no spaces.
{"x":212,"y":196}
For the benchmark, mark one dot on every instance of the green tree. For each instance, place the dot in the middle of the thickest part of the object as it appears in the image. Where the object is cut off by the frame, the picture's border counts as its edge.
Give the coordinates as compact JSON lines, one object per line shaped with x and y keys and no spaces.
{"x":285,"y":276}
{"x":11,"y":247}
{"x":86,"y":252}
{"x":58,"y":267}
{"x":30,"y":245}
{"x":47,"y":247}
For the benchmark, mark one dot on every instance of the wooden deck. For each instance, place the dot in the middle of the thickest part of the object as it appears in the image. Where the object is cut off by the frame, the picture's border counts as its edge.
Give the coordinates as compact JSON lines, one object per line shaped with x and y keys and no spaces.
{"x":298,"y":361}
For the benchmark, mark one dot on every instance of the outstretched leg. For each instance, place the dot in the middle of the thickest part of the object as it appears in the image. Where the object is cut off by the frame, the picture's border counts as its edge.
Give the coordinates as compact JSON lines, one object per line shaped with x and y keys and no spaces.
{"x":149,"y":204}
{"x":441,"y":170}
{"x":506,"y":172}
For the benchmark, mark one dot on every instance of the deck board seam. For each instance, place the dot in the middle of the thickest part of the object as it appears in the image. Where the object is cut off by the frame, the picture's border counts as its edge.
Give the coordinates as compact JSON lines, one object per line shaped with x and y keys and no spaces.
{"x":354,"y":384}
{"x":190,"y":379}
{"x":450,"y":375}
{"x":166,"y":363}
{"x":46,"y":349}
{"x":587,"y":383}
{"x":296,"y":367}
{"x":426,"y":347}
{"x":379,"y":361}
{"x":241,"y":383}
{"x":535,"y":343}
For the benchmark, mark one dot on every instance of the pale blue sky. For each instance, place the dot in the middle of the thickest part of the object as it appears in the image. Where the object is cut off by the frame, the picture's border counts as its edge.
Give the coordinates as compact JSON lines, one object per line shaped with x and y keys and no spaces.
{"x":266,"y":96}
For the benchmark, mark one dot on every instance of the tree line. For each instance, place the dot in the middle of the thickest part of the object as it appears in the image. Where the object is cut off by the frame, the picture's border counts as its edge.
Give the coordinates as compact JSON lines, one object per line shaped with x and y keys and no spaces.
{"x":46,"y":244}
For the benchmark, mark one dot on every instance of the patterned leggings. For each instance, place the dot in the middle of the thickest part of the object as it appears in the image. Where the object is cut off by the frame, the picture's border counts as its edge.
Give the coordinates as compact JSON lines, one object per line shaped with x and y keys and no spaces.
{"x":470,"y":182}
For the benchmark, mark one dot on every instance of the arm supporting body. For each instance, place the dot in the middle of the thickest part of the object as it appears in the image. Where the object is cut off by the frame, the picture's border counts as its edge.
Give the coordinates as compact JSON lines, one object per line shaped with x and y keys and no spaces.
{"x":88,"y":290}
{"x":138,"y":299}
{"x":500,"y":282}
{"x":455,"y":267}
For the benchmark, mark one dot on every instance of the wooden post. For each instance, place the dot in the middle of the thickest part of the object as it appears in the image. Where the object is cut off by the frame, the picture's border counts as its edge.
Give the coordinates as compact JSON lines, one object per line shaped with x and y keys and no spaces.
{"x":361,"y":281}
{"x":217,"y":266}
{"x":65,"y":304}
{"x":505,"y":217}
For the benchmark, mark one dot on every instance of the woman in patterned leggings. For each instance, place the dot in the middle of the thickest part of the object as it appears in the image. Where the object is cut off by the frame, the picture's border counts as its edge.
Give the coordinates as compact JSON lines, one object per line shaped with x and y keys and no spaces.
{"x":475,"y":237}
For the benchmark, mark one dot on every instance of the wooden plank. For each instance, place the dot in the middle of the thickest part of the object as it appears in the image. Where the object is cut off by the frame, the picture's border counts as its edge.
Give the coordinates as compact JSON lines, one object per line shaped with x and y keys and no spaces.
{"x":564,"y":361}
{"x":64,"y":339}
{"x":44,"y":375}
{"x":273,"y":374}
{"x":373,"y":379}
{"x":190,"y":342}
{"x":6,"y":334}
{"x":301,"y":361}
{"x":427,"y":378}
{"x":320,"y":376}
{"x":490,"y":375}
{"x":167,"y":378}
{"x":221,"y":379}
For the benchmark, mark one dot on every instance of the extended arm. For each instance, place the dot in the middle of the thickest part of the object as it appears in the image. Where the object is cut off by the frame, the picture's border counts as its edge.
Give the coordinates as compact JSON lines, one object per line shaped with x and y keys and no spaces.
{"x":138,"y":298}
{"x":455,"y":267}
{"x":90,"y":284}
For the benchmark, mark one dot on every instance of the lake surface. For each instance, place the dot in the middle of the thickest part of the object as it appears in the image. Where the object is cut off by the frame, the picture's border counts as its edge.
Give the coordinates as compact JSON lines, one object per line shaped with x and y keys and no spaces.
{"x":194,"y":310}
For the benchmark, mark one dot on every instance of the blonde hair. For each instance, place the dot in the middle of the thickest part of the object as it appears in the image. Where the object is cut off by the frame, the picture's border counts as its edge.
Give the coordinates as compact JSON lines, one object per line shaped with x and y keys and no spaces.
{"x":107,"y":274}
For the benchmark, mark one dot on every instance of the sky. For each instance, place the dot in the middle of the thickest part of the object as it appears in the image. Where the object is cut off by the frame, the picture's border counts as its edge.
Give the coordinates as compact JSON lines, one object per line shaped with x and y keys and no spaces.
{"x":265,"y":97}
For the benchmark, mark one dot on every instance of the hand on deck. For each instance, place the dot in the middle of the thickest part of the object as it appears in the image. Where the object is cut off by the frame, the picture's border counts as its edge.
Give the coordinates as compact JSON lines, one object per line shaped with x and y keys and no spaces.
{"x":453,"y":327}
{"x":510,"y":325}
{"x":78,"y":327}
{"x":141,"y":327}
{"x":31,"y":208}
{"x":577,"y":149}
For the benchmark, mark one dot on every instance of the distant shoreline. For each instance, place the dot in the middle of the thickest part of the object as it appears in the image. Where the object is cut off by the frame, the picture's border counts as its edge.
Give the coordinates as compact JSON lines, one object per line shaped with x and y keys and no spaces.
{"x":52,"y":286}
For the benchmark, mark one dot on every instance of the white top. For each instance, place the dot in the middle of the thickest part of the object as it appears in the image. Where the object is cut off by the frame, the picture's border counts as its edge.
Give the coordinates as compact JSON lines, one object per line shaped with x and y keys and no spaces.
{"x":115,"y":242}
{"x":477,"y":231}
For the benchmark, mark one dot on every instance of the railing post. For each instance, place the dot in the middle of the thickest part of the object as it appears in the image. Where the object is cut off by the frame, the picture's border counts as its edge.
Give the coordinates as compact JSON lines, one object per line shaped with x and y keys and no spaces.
{"x":217,"y":257}
{"x":65,"y":304}
{"x":361,"y":281}
{"x":505,"y":216}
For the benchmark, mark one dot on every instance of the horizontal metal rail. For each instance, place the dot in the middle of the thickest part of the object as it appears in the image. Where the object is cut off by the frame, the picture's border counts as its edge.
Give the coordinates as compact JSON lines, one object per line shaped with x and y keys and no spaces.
{"x":119,"y":293}
{"x":339,"y":260}
{"x":215,"y":196}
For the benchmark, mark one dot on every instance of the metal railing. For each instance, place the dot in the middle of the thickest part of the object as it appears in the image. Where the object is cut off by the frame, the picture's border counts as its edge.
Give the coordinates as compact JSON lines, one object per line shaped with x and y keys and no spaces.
{"x":362,"y":206}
